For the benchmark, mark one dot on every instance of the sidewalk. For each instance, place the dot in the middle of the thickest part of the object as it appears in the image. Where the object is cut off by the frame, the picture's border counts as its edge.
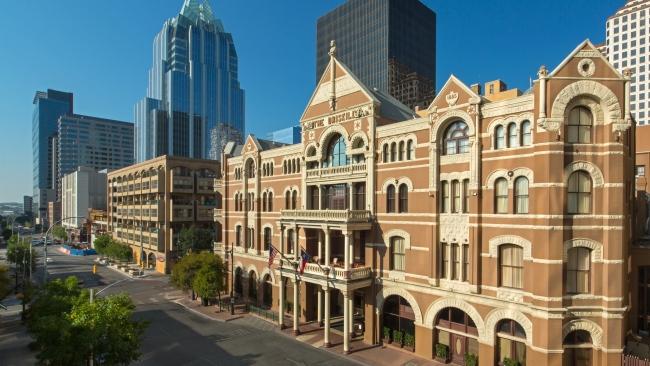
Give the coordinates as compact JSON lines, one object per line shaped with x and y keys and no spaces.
{"x":312,"y":334}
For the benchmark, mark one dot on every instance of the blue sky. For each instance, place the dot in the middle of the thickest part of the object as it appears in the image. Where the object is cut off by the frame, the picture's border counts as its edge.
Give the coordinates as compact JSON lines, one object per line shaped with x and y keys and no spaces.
{"x":101,"y":51}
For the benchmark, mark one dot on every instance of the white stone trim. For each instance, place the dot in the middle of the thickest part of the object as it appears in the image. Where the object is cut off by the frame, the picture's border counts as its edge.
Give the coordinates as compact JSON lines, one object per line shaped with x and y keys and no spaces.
{"x":459,"y":176}
{"x":397,"y":232}
{"x":596,"y":248}
{"x":503,"y":173}
{"x":265,"y":272}
{"x":387,"y":291}
{"x":252,"y":268}
{"x":510,"y":239}
{"x":327,"y":134}
{"x":583,"y":324}
{"x":497,"y":315}
{"x":453,"y":302}
{"x":596,"y":174}
{"x":397,"y":182}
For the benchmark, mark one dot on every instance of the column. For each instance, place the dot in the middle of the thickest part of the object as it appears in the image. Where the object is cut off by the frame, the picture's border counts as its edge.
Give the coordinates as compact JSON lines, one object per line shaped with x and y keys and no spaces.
{"x":346,"y":322}
{"x":281,"y":309}
{"x":327,"y":247}
{"x":319,"y":315}
{"x":282,"y":245}
{"x":296,"y":313}
{"x":296,"y":245}
{"x":320,"y":198}
{"x":346,"y":250}
{"x":351,"y":305}
{"x":350,"y":197}
{"x":320,"y":246}
{"x":326,"y":343}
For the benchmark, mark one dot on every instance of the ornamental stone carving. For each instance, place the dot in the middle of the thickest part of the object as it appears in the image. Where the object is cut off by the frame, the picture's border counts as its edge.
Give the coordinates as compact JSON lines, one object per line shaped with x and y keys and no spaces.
{"x":397,"y":232}
{"x":387,"y":291}
{"x":605,"y":96}
{"x":454,"y":228}
{"x":451,"y":98}
{"x":510,"y":239}
{"x":496,"y":315}
{"x":586,"y":67}
{"x":583,"y":324}
{"x":596,"y":174}
{"x":596,"y":248}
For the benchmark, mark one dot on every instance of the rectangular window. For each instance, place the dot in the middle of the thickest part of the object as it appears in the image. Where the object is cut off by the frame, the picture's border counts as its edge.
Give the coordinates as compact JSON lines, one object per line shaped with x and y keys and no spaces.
{"x":444,"y":202}
{"x":578,"y":268}
{"x":466,"y":195}
{"x":360,"y":196}
{"x":399,"y":254}
{"x":455,"y":257}
{"x":465,"y":262}
{"x":455,"y":187}
{"x":444,"y":263}
{"x":511,"y":263}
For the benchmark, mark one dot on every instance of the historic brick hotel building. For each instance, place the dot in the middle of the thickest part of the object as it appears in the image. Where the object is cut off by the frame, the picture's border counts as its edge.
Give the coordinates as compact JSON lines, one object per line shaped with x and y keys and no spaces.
{"x":493,"y":223}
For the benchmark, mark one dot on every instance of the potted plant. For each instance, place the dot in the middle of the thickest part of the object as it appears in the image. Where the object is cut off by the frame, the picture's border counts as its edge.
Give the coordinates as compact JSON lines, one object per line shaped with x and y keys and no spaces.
{"x":387,"y":339}
{"x":409,"y":342}
{"x":442,"y":353}
{"x":471,"y":360}
{"x":510,"y":362}
{"x":398,"y":337}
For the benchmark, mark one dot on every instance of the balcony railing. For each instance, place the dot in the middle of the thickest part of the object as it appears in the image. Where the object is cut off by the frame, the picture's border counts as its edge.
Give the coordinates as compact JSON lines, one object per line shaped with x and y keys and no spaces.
{"x":339,"y":273}
{"x":343,"y":216}
{"x":337,"y":171}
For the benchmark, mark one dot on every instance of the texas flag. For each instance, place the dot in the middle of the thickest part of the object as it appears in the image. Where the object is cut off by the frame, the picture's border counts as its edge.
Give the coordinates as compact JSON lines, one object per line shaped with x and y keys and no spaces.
{"x":272,"y":253}
{"x":304,"y":258}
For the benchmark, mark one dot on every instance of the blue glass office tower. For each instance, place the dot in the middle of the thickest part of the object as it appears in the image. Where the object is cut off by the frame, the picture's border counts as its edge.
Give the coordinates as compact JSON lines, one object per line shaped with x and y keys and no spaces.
{"x":48,"y":107}
{"x":194,"y":102}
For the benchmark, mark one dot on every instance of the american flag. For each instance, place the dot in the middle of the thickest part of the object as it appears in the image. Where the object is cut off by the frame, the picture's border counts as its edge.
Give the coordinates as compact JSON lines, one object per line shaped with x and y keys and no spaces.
{"x":272,"y":253}
{"x":304,"y":258}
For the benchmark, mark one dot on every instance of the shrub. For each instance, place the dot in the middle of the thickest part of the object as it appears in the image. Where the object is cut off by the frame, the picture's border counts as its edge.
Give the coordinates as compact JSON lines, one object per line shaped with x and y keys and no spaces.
{"x":386,"y":333}
{"x":409,"y":340}
{"x":510,"y":362}
{"x":471,"y":359}
{"x":442,"y":351}
{"x":397,"y":336}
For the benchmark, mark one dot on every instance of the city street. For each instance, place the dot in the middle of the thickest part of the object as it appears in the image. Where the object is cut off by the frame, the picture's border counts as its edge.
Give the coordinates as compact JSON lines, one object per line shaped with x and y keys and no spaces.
{"x":175,"y":335}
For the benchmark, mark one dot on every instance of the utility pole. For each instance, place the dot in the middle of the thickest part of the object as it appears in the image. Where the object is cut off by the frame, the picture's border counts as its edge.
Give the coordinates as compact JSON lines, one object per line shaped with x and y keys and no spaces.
{"x":232,"y":279}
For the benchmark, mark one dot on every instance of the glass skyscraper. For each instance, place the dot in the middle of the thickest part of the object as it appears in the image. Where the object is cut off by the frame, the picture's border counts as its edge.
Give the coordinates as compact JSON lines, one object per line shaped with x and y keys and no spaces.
{"x":48,"y":107}
{"x":194,"y":102}
{"x":388,"y":44}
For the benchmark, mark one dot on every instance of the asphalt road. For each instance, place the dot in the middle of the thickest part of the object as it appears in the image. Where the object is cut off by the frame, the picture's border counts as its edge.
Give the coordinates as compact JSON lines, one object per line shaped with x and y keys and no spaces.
{"x":175,"y":336}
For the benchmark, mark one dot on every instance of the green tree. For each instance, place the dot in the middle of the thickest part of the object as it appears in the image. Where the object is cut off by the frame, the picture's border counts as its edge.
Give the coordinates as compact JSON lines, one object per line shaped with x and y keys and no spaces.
{"x":19,"y":254}
{"x":208,"y":283}
{"x":68,"y":329}
{"x":102,"y":242}
{"x":112,"y":336}
{"x":5,"y":282}
{"x":6,"y":233}
{"x":195,"y":239}
{"x":59,"y":233}
{"x":211,"y":267}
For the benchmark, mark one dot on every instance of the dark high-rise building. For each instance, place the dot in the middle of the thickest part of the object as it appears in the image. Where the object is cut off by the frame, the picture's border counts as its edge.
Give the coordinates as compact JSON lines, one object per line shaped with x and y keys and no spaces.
{"x":388,"y":44}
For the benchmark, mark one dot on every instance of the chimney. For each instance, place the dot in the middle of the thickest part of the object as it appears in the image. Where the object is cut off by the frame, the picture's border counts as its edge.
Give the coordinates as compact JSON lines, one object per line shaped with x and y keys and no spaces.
{"x":476,"y":88}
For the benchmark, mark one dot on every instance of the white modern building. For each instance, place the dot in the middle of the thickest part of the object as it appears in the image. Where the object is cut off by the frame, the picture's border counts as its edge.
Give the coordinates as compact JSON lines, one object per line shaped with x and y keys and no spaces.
{"x":628,"y":47}
{"x":81,"y":190}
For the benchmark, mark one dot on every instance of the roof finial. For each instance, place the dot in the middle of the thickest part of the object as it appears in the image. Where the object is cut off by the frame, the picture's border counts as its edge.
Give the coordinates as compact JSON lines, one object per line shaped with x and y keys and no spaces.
{"x":332,"y":51}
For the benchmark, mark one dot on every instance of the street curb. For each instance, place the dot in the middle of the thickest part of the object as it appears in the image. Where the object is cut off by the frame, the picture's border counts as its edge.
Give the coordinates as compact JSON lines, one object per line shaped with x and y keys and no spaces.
{"x":178,"y":301}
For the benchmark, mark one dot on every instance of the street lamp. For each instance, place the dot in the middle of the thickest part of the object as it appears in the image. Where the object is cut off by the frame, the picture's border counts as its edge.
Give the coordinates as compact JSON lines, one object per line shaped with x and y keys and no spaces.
{"x":232,"y":278}
{"x":45,"y":245}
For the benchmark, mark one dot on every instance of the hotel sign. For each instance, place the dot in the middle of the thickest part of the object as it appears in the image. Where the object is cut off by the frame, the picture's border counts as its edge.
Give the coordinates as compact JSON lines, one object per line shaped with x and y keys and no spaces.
{"x":342,"y":117}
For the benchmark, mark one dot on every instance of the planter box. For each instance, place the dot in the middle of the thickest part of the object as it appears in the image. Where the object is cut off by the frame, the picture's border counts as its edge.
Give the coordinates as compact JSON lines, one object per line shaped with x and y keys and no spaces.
{"x":409,"y":348}
{"x":387,"y":341}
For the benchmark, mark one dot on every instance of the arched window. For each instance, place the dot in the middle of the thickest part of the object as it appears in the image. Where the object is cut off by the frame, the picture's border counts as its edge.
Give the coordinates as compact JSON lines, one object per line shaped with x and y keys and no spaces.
{"x":270,"y":203}
{"x":403,"y":198}
{"x":511,"y":266}
{"x":501,"y":196}
{"x":393,"y":152}
{"x":398,"y":253}
{"x":466,"y":196}
{"x":287,"y":200}
{"x":579,"y":126}
{"x":264,"y":202}
{"x":238,"y":235}
{"x":284,"y":167}
{"x":410,"y":150}
{"x":521,"y":195}
{"x":577,"y":270}
{"x":294,"y":200}
{"x":526,"y":133}
{"x":577,"y":348}
{"x":267,"y":238}
{"x":250,"y":172}
{"x":579,"y":193}
{"x":336,"y":155}
{"x":251,"y":238}
{"x":456,"y":330}
{"x":237,"y":202}
{"x":398,"y":316}
{"x":513,"y":139}
{"x":444,"y":193}
{"x":402,"y":150}
{"x":499,"y":138}
{"x":511,"y":342}
{"x":456,"y":138}
{"x":390,"y":199}
{"x":455,"y":191}
{"x":385,"y":154}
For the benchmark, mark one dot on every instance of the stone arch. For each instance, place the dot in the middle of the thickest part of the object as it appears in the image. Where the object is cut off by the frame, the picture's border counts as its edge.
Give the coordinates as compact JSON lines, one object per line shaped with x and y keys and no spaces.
{"x":268,"y":272}
{"x":493,"y":176}
{"x":312,"y":146}
{"x":397,"y":183}
{"x":587,"y":325}
{"x":390,"y":291}
{"x":239,"y":265}
{"x":503,"y":173}
{"x":496,"y":315}
{"x":608,"y":100}
{"x":451,"y":302}
{"x":327,"y":135}
{"x":595,"y":246}
{"x":596,"y":174}
{"x":359,"y":135}
{"x":398,"y":232}
{"x":522,"y":172}
{"x":445,"y":119}
{"x":510,"y":239}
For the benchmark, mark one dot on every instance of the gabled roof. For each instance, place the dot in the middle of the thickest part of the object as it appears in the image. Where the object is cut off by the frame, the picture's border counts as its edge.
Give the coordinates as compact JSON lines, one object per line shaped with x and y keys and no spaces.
{"x":585,"y":44}
{"x":234,"y":149}
{"x":392,"y":108}
{"x":453,"y":80}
